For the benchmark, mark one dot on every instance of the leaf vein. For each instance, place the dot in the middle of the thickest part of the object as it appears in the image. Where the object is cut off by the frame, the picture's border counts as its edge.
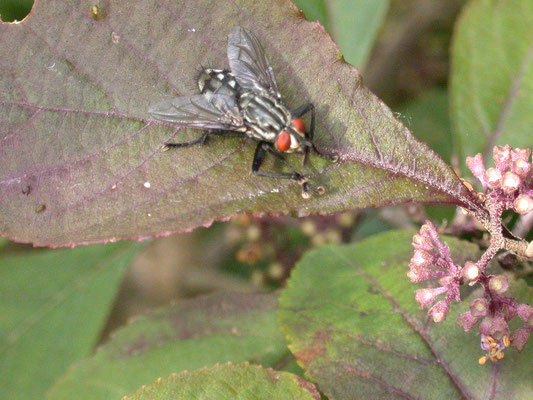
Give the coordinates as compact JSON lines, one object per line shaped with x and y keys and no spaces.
{"x":381,"y":382}
{"x":83,"y":73}
{"x":57,"y":167}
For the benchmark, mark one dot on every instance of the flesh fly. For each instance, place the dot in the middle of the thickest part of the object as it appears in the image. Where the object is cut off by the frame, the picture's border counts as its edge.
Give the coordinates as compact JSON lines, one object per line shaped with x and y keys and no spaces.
{"x":246,"y":100}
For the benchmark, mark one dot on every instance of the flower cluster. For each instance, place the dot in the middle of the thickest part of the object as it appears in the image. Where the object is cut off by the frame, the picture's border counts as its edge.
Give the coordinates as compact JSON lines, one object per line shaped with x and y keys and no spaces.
{"x":510,"y":179}
{"x":509,"y":185}
{"x":432,"y":259}
{"x":495,"y":312}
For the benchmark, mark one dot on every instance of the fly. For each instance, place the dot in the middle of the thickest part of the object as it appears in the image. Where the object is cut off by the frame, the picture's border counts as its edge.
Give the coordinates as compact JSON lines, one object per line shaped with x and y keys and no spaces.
{"x":245,"y":99}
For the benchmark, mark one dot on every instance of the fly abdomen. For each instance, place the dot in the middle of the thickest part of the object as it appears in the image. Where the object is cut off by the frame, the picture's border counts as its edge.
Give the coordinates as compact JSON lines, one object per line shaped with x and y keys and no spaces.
{"x":217,"y":81}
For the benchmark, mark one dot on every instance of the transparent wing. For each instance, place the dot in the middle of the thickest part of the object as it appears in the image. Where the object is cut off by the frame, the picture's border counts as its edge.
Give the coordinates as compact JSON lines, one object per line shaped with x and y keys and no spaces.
{"x":248,"y":62}
{"x":218,"y":112}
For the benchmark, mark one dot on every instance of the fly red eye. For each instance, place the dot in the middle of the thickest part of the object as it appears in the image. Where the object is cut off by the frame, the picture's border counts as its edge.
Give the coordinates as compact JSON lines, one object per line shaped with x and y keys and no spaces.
{"x":283,"y":142}
{"x":298,"y":124}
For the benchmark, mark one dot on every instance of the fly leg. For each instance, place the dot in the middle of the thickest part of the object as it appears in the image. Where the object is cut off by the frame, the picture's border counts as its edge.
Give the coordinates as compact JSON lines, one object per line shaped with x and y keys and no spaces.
{"x":259,"y":157}
{"x":305,"y":185}
{"x":201,"y":140}
{"x":221,"y":132}
{"x":300,"y":111}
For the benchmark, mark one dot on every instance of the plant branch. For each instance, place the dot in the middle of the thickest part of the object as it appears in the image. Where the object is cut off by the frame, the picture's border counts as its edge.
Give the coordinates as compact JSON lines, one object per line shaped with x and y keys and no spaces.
{"x":506,"y":240}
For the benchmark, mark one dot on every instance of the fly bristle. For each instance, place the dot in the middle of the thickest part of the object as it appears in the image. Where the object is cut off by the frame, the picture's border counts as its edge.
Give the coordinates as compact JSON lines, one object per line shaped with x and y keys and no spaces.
{"x":201,"y":78}
{"x":198,"y":77}
{"x":203,"y":74}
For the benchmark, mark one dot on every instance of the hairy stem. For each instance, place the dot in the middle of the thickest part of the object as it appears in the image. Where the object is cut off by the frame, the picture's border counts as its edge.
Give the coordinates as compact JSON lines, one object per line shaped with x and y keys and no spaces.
{"x":501,"y":236}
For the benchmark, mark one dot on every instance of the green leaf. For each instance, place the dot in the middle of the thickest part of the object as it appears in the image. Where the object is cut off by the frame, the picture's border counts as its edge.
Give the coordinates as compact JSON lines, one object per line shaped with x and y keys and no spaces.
{"x":185,"y":336}
{"x":314,"y":10}
{"x":427,"y":116}
{"x":370,"y":225}
{"x":53,"y":305}
{"x":229,"y":382}
{"x":81,"y":161}
{"x":352,"y":322}
{"x":492,"y":76}
{"x":355,"y":25}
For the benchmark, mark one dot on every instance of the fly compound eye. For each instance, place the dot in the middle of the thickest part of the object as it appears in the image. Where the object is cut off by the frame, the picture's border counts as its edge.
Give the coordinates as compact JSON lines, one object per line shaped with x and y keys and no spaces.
{"x":298,"y":124}
{"x":283,"y":142}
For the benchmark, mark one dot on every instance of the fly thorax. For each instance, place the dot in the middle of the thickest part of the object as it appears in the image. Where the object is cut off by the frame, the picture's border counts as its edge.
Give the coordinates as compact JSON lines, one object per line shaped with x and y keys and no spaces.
{"x":264,"y":114}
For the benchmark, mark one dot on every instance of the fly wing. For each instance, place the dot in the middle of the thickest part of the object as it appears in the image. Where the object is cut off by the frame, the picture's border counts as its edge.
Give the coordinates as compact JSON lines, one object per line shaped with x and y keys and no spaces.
{"x":217,"y":112}
{"x":248,"y":62}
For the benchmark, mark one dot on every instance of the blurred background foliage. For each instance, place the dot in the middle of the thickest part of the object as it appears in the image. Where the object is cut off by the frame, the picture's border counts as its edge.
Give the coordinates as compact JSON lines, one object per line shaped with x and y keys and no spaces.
{"x":404,"y":61}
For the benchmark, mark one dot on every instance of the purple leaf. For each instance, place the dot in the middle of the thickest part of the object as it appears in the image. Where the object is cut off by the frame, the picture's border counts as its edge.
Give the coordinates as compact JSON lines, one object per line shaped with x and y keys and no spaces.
{"x":81,"y":160}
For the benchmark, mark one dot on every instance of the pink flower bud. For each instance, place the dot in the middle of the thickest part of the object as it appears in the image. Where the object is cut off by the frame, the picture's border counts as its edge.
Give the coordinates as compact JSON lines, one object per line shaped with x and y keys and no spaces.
{"x":471,"y":271}
{"x":521,"y":168}
{"x":525,"y":312}
{"x":519,"y":338}
{"x":439,"y":311}
{"x":493,"y":177}
{"x":479,"y":307}
{"x":508,"y":311}
{"x":422,"y":242}
{"x":412,"y":275}
{"x":523,"y":204}
{"x":467,"y":321}
{"x":422,"y":258}
{"x":416,"y":274}
{"x":494,"y":326}
{"x":475,"y":164}
{"x":417,"y":240}
{"x":502,"y":157}
{"x":511,"y":182}
{"x":499,"y":284}
{"x":522,"y":154}
{"x":428,"y":230}
{"x":427,"y":296}
{"x":445,"y":281}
